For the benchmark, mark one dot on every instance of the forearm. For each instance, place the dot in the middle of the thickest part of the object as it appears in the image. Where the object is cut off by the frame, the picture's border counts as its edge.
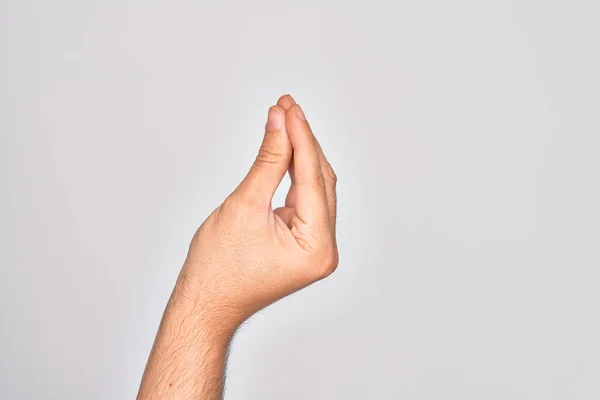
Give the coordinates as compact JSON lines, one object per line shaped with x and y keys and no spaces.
{"x":188,"y":357}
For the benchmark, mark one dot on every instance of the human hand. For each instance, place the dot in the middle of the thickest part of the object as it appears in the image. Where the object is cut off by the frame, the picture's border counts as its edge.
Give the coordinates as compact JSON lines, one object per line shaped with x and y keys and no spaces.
{"x":246,"y":255}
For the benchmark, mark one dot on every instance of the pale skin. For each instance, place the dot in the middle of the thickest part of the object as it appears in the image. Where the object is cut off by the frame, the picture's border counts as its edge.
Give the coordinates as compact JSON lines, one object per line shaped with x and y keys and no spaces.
{"x":245,"y":256}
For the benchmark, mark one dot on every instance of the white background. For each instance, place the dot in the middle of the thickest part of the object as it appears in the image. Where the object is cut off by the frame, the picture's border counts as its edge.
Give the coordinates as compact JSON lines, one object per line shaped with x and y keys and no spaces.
{"x":465,"y":135}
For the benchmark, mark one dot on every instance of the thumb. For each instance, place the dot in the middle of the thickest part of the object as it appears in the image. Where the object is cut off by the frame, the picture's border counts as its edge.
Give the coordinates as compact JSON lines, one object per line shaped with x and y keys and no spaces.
{"x":271,"y":163}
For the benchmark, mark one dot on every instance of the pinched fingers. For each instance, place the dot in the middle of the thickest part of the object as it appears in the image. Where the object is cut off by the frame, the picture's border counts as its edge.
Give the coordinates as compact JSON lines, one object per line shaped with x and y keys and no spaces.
{"x":286,"y":102}
{"x":311,"y":196}
{"x":314,"y":190}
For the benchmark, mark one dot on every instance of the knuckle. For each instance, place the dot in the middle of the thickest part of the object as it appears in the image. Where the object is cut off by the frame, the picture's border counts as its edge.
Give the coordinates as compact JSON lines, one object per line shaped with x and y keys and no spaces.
{"x":331,"y":175}
{"x":320,"y":181}
{"x":329,"y":262}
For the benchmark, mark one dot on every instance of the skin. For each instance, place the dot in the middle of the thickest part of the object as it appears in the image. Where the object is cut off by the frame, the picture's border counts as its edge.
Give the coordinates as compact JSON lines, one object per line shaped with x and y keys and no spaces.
{"x":245,"y":256}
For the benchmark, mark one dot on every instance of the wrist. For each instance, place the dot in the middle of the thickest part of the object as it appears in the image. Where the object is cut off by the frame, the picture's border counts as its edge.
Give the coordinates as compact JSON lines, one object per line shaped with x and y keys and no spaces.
{"x":190,"y":347}
{"x":200,"y":302}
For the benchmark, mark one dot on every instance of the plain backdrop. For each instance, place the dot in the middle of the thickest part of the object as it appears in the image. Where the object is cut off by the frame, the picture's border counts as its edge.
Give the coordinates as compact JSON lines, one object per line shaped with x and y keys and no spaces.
{"x":465,"y":135}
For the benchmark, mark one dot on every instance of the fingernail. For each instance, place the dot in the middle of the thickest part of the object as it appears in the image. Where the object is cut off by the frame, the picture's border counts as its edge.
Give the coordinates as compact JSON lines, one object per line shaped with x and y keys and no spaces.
{"x":292,"y":99}
{"x":300,"y":113}
{"x":274,"y":120}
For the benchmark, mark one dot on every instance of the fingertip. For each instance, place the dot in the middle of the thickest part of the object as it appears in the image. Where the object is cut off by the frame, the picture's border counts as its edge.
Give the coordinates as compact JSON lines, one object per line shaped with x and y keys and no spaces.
{"x":279,"y":109}
{"x":275,"y":118}
{"x":286,"y":101}
{"x":295,"y":112}
{"x":296,"y":126}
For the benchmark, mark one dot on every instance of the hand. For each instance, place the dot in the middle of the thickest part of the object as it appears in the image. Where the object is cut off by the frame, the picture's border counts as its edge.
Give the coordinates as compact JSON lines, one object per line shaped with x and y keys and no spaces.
{"x":246,"y":255}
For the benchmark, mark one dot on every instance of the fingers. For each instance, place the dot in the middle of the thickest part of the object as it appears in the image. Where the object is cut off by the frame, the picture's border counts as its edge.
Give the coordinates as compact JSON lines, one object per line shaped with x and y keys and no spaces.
{"x":271,"y":163}
{"x":286,"y":101}
{"x":311,"y":197}
{"x":330,"y":186}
